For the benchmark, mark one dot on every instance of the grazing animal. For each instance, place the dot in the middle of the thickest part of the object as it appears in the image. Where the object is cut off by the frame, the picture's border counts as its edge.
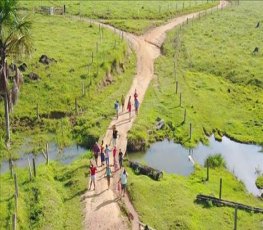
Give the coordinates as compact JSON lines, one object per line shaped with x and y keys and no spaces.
{"x":255,"y":50}
{"x":258,"y":24}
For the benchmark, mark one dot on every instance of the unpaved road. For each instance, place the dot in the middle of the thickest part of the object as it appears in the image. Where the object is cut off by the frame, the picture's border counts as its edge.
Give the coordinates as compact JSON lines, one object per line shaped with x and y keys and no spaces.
{"x":102,"y":206}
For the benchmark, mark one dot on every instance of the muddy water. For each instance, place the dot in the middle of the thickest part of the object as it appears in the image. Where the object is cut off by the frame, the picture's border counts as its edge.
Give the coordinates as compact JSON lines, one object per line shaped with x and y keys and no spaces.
{"x":65,"y":156}
{"x":244,"y":160}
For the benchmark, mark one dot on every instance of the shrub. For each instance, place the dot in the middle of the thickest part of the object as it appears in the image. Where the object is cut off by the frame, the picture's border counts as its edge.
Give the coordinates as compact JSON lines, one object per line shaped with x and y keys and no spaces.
{"x":216,"y":161}
{"x":259,"y":182}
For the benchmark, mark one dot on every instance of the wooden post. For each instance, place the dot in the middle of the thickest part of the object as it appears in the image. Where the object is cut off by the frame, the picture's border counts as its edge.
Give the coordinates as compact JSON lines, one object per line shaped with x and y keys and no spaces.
{"x":184,"y":115}
{"x":47,"y":154}
{"x":207,"y":171}
{"x":235,"y":216}
{"x":64,"y":9}
{"x":220,"y":189}
{"x":11,"y":167}
{"x":34,"y":167}
{"x":176,"y":87}
{"x":91,"y":56}
{"x":76,"y":105}
{"x":37,"y":111}
{"x":122,"y":35}
{"x":180,"y":99}
{"x":14,"y":221}
{"x":16,"y":186}
{"x":16,"y":202}
{"x":30,"y":170}
{"x":190,"y":130}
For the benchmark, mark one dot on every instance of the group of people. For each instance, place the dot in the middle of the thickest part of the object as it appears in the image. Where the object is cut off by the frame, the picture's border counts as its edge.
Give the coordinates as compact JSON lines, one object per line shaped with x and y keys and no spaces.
{"x":103,"y":152}
{"x":129,"y":105}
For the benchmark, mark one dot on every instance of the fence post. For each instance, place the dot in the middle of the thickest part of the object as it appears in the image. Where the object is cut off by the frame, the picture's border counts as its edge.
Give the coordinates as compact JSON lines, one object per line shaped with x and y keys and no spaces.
{"x":190,"y":130}
{"x":11,"y":167}
{"x":47,"y":154}
{"x":34,"y":167}
{"x":30,"y":171}
{"x":235,"y":221}
{"x":207,"y":170}
{"x":16,"y":203}
{"x":14,"y":221}
{"x":184,"y":115}
{"x":91,"y":56}
{"x":220,"y":189}
{"x":16,"y":187}
{"x":180,"y":99}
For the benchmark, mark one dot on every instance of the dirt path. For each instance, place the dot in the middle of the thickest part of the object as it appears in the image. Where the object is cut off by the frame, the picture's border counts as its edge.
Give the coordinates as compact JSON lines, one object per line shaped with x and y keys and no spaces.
{"x":103,"y":207}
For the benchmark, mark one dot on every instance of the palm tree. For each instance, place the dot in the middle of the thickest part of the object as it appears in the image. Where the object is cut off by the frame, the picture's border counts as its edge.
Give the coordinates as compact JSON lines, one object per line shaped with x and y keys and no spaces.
{"x":15,"y":41}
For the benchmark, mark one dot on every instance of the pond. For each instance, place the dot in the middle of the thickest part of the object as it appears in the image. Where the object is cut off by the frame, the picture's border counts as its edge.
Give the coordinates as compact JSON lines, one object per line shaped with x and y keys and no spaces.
{"x":244,"y":160}
{"x":65,"y":156}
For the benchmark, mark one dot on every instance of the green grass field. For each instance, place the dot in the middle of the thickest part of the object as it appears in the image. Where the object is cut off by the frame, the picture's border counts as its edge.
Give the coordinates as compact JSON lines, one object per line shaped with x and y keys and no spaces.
{"x":52,"y":200}
{"x":219,"y":78}
{"x":61,"y":83}
{"x":132,"y":16}
{"x":170,"y":202}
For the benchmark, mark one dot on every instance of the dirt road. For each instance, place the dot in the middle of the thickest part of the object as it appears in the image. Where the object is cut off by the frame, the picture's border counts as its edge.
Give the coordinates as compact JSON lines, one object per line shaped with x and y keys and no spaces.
{"x":102,"y":206}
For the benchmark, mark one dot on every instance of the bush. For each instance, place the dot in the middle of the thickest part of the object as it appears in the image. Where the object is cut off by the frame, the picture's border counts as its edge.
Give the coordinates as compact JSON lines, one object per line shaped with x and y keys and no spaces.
{"x":259,"y":182}
{"x":216,"y":161}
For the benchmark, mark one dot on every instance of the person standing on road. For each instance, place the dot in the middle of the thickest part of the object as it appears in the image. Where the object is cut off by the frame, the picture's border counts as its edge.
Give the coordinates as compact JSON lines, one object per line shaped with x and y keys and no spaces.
{"x":93,"y":170}
{"x":114,"y":135}
{"x":102,"y":156}
{"x":107,"y":155}
{"x":108,"y":175}
{"x":135,"y":95}
{"x":136,"y":105}
{"x":129,"y":107}
{"x":120,"y":158}
{"x":122,"y":102}
{"x":116,"y":107}
{"x":123,"y":179}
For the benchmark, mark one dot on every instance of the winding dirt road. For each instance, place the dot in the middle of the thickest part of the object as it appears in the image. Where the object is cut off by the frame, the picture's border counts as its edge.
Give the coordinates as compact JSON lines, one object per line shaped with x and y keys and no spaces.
{"x":102,"y":206}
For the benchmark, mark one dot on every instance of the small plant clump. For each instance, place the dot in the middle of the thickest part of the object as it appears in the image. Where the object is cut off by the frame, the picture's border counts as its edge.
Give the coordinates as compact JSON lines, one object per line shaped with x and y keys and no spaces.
{"x":259,"y":182}
{"x":215,"y":161}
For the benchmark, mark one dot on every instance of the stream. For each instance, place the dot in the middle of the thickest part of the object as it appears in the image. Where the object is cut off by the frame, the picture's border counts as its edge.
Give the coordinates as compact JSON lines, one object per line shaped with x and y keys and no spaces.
{"x":245,"y":161}
{"x":65,"y":156}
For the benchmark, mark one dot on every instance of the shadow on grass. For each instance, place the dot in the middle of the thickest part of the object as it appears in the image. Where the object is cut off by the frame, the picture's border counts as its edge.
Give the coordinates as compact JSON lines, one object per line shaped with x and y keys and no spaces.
{"x":79,"y":193}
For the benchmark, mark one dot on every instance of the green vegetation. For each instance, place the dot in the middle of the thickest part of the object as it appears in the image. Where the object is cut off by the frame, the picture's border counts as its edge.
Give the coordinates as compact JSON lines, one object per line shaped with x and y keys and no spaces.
{"x":170,"y":203}
{"x":259,"y":182}
{"x":132,"y":16}
{"x":219,"y":78}
{"x":215,"y":161}
{"x":49,"y":201}
{"x":61,"y":83}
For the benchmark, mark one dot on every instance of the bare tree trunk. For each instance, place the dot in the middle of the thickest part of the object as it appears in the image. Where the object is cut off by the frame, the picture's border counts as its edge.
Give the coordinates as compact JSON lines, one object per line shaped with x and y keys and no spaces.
{"x":7,"y":122}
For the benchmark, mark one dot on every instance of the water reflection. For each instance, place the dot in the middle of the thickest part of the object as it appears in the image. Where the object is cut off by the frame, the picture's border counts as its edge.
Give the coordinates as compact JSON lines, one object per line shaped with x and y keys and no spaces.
{"x":244,"y":160}
{"x":65,"y":156}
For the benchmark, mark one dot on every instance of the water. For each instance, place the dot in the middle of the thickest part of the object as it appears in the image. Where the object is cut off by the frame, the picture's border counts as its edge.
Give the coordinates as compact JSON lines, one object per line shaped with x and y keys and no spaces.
{"x":244,"y":160}
{"x":65,"y":156}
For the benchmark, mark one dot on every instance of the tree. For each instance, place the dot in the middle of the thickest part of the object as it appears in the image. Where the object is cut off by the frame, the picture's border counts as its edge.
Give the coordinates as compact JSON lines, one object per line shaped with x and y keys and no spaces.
{"x":15,"y":41}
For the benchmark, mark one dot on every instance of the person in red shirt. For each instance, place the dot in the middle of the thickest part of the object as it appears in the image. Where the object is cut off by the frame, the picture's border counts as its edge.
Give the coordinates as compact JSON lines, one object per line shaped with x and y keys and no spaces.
{"x":114,"y":151}
{"x":129,"y":107}
{"x":93,"y":170}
